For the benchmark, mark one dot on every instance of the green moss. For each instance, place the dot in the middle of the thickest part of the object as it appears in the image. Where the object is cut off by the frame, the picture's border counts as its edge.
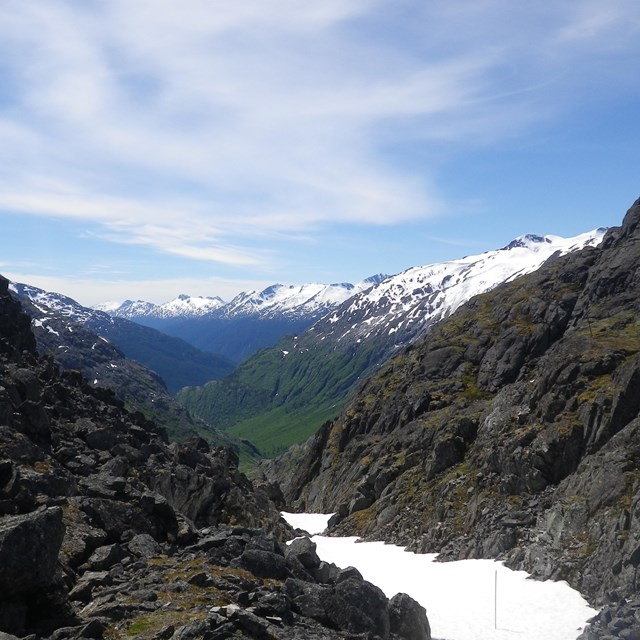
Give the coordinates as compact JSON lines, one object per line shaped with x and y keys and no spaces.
{"x":597,"y":387}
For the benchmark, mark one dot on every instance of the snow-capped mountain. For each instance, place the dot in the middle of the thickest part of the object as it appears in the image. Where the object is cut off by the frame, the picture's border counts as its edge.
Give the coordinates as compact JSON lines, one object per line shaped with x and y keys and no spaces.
{"x":314,"y":371}
{"x":49,"y":303}
{"x":184,"y":306}
{"x":294,"y":300}
{"x":276,"y":301}
{"x":251,"y":321}
{"x":178,"y":363}
{"x":416,"y":298}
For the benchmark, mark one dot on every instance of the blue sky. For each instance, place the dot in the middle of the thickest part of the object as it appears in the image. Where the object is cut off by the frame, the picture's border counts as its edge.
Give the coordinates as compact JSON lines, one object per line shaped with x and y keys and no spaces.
{"x":150,"y":147}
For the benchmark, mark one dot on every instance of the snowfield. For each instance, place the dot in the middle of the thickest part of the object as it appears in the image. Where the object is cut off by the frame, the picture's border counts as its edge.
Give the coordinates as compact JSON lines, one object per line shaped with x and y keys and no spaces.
{"x":465,"y":600}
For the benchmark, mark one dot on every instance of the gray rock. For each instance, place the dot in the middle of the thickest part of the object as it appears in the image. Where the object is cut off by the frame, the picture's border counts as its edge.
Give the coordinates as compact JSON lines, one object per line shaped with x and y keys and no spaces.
{"x":408,"y":619}
{"x":105,"y":557}
{"x":83,"y":589}
{"x":307,"y":599}
{"x":143,"y":545}
{"x":305,"y":551}
{"x":359,"y":607}
{"x":264,"y":564}
{"x":29,"y":546}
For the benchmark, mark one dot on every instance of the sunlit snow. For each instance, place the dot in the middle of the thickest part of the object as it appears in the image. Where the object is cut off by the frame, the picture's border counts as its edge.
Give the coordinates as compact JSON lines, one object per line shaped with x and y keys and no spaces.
{"x":431,"y":292}
{"x":465,"y":600}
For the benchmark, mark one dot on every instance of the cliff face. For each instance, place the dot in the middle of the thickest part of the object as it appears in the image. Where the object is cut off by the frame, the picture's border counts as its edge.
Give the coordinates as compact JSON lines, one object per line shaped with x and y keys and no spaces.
{"x":107,"y":530}
{"x":510,"y":431}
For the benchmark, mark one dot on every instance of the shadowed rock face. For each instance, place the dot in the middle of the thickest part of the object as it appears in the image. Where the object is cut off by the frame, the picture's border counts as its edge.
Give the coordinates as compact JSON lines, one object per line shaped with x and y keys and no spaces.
{"x":29,"y":547}
{"x":510,"y":431}
{"x":107,"y":530}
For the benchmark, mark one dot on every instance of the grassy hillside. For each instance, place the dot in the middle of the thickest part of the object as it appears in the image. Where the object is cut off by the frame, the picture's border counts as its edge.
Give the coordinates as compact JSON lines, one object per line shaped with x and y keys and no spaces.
{"x":281,"y":395}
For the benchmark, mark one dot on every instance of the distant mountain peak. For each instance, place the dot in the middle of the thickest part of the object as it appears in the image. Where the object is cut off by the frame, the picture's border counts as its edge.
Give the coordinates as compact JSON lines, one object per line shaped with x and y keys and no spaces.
{"x":527,"y":240}
{"x":405,"y":304}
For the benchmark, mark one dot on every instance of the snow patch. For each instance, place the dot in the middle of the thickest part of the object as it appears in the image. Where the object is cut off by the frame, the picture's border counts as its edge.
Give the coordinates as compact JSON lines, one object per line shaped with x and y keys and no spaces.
{"x":465,"y":600}
{"x":310,"y":522}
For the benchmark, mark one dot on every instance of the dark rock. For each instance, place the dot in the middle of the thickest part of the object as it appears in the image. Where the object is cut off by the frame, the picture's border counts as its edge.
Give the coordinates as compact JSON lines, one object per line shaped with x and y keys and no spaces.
{"x":264,"y":564}
{"x":408,"y":619}
{"x":305,"y":551}
{"x":144,"y":546}
{"x":347,"y":574}
{"x":307,"y":599}
{"x":83,"y":589}
{"x":326,"y":573}
{"x":358,"y":607}
{"x":29,"y":546}
{"x":191,"y":631}
{"x":255,"y":626}
{"x":105,"y":557}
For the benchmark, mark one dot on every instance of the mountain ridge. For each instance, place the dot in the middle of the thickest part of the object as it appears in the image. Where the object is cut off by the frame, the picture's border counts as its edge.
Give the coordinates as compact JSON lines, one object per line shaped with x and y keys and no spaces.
{"x":176,"y":362}
{"x":276,"y":299}
{"x":511,"y":430}
{"x":249,"y":322}
{"x":279,"y":396}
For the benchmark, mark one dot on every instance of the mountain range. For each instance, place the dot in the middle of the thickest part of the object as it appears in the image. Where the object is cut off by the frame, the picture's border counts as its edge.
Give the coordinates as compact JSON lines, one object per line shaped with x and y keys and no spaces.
{"x":281,"y":395}
{"x":251,"y":321}
{"x":74,"y":337}
{"x":177,"y":362}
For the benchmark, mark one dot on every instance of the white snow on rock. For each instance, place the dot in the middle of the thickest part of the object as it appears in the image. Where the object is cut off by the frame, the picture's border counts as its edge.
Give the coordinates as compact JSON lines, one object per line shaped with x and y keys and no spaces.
{"x":274,"y":301}
{"x":465,"y":600}
{"x":427,"y":294}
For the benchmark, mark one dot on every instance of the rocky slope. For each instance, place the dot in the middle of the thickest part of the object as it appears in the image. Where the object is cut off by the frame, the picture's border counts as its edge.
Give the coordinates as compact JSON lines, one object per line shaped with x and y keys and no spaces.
{"x":178,"y":363}
{"x":512,"y":430}
{"x":108,"y":531}
{"x":282,"y":395}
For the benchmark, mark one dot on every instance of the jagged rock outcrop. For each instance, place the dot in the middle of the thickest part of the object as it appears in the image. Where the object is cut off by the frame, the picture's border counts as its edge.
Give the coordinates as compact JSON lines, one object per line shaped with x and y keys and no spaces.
{"x":108,"y":530}
{"x":510,"y":431}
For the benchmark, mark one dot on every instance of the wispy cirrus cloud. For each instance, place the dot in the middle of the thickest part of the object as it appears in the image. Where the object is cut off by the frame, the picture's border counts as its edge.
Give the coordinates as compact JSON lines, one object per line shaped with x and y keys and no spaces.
{"x":198,"y":127}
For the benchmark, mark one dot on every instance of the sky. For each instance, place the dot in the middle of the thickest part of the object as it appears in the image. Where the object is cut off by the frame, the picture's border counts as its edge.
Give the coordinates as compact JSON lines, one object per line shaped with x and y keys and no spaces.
{"x":150,"y":147}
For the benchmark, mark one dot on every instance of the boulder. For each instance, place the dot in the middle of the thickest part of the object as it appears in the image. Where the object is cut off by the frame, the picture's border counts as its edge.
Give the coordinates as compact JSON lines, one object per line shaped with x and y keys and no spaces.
{"x":305,"y":551}
{"x":359,"y":607}
{"x":408,"y":619}
{"x":29,"y":546}
{"x":264,"y":564}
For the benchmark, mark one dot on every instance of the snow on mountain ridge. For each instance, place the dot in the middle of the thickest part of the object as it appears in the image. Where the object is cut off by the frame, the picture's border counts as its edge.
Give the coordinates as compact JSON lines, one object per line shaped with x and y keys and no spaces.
{"x":290,"y":300}
{"x":424,"y":295}
{"x":188,"y":306}
{"x":47,"y":302}
{"x":184,"y":306}
{"x":311,"y":299}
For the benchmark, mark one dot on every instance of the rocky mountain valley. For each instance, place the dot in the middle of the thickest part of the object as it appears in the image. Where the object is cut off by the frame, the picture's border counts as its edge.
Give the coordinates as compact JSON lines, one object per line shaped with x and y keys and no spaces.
{"x":507,"y":428}
{"x":511,"y":431}
{"x":109,"y":531}
{"x":281,"y":395}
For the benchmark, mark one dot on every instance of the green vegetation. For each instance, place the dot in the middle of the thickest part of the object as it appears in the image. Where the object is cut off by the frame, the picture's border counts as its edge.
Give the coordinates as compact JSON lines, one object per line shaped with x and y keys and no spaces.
{"x":281,"y":396}
{"x":186,"y":604}
{"x":274,"y":431}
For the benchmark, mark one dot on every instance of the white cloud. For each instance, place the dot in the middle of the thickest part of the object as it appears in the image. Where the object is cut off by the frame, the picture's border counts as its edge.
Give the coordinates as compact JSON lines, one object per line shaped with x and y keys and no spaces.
{"x":94,"y":291}
{"x":192,"y":127}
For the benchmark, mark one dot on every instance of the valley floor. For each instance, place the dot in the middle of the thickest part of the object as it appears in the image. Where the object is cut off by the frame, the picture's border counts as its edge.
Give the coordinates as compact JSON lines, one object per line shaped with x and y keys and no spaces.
{"x":465,"y":600}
